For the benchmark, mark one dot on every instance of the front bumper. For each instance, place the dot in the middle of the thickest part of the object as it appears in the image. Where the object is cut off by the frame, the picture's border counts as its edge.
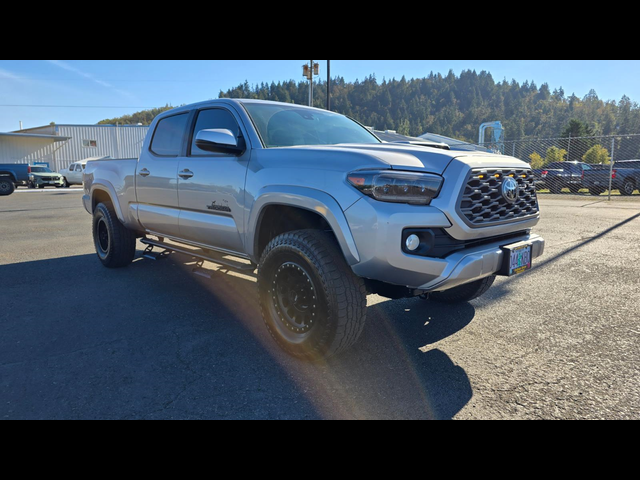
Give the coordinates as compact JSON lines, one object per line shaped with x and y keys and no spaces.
{"x":476,"y":263}
{"x":49,"y":183}
{"x":377,"y":230}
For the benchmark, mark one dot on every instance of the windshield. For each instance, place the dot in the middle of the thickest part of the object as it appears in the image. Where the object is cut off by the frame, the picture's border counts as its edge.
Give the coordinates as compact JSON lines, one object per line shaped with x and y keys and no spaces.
{"x":40,"y":170}
{"x":289,"y":126}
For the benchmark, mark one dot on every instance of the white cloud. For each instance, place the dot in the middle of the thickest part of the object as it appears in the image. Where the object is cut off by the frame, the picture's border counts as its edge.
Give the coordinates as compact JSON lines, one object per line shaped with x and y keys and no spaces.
{"x":11,"y":76}
{"x":71,"y":68}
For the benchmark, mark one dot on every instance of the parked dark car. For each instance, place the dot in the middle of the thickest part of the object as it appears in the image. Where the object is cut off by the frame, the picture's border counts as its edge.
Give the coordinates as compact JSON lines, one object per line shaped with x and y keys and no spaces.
{"x":560,"y":175}
{"x":575,"y":176}
{"x":625,"y":176}
{"x":12,"y":175}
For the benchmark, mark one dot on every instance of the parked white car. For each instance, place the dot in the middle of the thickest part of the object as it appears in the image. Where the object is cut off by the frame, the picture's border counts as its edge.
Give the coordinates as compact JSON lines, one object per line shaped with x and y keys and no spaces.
{"x":73,"y":174}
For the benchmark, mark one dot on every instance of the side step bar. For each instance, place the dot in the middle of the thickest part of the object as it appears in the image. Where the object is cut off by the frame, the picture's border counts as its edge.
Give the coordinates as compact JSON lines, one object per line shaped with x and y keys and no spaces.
{"x":202,"y":254}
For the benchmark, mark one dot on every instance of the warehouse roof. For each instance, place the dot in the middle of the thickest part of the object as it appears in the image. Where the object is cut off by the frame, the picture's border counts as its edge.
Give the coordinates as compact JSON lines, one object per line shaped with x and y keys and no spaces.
{"x":55,"y":138}
{"x":100,"y":125}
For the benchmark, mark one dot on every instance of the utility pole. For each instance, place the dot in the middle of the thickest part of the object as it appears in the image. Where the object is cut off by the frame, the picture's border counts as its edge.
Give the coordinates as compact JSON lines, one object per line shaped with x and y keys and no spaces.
{"x":328,"y":84}
{"x":311,"y":86}
{"x":308,"y":71}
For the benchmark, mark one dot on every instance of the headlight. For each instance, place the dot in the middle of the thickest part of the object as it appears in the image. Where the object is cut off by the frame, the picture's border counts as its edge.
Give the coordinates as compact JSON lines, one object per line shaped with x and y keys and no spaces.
{"x":397,"y":187}
{"x":31,"y":178}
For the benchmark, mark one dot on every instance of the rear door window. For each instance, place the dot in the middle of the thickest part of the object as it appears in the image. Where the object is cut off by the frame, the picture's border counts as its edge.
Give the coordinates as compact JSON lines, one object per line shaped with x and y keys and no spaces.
{"x":169,"y":135}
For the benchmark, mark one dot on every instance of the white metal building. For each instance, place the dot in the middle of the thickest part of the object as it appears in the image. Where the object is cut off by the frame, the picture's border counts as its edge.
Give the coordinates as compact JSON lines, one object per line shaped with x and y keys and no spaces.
{"x":61,"y":145}
{"x":29,"y":148}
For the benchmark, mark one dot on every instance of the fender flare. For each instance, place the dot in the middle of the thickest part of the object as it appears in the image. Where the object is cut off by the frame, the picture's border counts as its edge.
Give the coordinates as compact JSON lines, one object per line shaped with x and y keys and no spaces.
{"x":309,"y":199}
{"x":9,"y":173}
{"x":109,"y":190}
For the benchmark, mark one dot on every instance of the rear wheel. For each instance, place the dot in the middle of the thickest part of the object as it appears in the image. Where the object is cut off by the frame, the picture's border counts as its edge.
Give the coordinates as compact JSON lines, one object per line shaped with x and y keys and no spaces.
{"x":6,"y":186}
{"x":628,"y":187}
{"x":464,"y":293}
{"x":115,"y":244}
{"x":312,"y":303}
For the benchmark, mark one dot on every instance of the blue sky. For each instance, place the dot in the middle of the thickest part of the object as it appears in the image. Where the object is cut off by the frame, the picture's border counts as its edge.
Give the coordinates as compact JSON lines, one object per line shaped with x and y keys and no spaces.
{"x":132,"y":85}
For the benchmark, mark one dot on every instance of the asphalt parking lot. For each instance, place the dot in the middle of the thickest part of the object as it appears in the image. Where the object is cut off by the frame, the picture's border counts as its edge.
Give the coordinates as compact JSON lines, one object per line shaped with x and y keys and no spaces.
{"x":154,"y":341}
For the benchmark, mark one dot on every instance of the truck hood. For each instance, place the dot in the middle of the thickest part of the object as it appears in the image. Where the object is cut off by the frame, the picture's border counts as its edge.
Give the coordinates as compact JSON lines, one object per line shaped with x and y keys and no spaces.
{"x":42,"y":174}
{"x":385,"y":155}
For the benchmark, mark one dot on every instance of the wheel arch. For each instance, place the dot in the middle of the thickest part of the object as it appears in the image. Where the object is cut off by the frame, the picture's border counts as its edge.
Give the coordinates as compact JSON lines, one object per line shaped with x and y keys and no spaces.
{"x":101,"y":193}
{"x":7,"y":173}
{"x":313,"y":207}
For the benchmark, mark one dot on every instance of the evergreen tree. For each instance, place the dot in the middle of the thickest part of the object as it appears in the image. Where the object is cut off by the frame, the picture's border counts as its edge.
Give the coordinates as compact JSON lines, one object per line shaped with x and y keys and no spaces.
{"x":454,"y":106}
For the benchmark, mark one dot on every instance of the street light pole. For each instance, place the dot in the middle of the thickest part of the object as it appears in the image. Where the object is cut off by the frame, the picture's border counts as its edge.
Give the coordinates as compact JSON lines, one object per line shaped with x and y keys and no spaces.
{"x":311,"y":85}
{"x":328,"y":84}
{"x":308,"y":71}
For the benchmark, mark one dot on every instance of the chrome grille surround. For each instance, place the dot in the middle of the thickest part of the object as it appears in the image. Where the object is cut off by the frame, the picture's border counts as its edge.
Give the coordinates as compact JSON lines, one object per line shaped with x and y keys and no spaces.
{"x":482,"y":203}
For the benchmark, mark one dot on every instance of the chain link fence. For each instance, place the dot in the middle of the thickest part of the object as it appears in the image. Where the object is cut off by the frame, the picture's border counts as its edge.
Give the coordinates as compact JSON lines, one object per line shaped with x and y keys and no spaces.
{"x":596,"y":166}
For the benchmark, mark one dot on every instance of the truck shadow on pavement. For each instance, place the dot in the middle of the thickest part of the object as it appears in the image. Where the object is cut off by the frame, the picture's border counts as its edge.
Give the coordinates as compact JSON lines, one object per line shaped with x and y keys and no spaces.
{"x":154,"y":341}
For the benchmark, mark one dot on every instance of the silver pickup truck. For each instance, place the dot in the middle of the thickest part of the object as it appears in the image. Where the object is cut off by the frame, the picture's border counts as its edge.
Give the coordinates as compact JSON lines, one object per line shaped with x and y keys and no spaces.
{"x":321,"y":208}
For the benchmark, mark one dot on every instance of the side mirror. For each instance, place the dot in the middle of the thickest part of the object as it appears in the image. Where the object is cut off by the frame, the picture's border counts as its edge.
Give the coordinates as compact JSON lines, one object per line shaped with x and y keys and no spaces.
{"x":219,"y":141}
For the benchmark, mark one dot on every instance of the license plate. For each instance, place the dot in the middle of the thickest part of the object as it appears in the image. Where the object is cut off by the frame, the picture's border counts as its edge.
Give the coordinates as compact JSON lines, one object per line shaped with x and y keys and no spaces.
{"x":517,"y":259}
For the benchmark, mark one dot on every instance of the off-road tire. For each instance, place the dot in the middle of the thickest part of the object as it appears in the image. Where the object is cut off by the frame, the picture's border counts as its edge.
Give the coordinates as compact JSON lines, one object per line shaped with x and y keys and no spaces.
{"x":329,"y":326}
{"x":464,"y":293}
{"x":115,"y":244}
{"x":6,"y":186}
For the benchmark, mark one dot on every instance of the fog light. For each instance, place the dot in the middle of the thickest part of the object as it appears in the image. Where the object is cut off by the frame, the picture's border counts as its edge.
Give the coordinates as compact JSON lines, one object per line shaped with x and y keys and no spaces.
{"x":412,"y":243}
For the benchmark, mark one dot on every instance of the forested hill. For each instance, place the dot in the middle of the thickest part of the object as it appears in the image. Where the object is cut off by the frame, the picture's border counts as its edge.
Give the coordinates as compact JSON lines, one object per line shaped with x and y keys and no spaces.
{"x":145,"y":117}
{"x":456,"y":106}
{"x":449,"y":105}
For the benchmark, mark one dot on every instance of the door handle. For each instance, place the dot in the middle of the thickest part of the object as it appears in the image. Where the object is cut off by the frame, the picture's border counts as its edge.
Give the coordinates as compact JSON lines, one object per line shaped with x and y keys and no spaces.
{"x":186,"y":174}
{"x":144,"y":172}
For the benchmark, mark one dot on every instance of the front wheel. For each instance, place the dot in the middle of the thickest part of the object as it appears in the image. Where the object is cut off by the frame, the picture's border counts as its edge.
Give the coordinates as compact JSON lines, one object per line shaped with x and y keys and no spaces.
{"x":312,"y":303}
{"x":6,"y":187}
{"x":464,"y":293}
{"x":115,"y":244}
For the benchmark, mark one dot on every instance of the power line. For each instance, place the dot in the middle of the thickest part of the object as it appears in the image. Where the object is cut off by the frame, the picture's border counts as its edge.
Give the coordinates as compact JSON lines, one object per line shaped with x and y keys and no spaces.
{"x":72,"y":106}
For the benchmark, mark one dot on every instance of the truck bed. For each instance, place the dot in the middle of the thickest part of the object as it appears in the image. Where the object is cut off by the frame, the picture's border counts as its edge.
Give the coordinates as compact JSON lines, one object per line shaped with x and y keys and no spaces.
{"x":117,"y":178}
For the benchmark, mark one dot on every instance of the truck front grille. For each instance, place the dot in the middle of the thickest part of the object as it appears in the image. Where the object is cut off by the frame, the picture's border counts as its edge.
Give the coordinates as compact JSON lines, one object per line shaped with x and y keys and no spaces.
{"x":484,"y":204}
